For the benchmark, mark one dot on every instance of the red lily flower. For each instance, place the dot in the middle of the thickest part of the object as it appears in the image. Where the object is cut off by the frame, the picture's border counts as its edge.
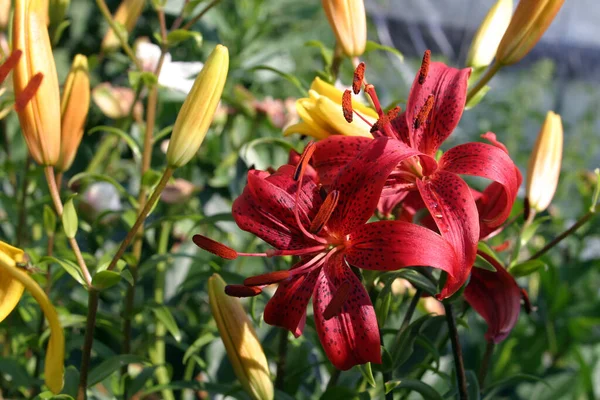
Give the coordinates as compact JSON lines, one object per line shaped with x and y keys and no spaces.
{"x":435,"y":105}
{"x":496,"y":297}
{"x":329,"y":231}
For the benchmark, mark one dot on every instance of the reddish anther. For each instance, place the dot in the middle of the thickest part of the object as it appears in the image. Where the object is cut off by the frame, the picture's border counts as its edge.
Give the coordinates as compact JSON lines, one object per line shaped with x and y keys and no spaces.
{"x":242,"y":291}
{"x":325,"y":212}
{"x":424,"y":112}
{"x":304,"y":159}
{"x":338,"y":300}
{"x":359,"y":76}
{"x":424,"y":67}
{"x":347,"y":105}
{"x":267,"y":279}
{"x":215,"y":247}
{"x":30,"y":90}
{"x":9,"y":64}
{"x":393,"y":113}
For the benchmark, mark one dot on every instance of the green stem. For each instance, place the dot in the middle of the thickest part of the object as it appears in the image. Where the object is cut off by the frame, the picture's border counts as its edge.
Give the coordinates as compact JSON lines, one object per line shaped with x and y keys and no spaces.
{"x":457,"y":351}
{"x":197,"y":18}
{"x":141,"y":217}
{"x":157,"y":354}
{"x":483,"y":81}
{"x":582,"y":221}
{"x":336,"y":62}
{"x":283,"y":347}
{"x":335,"y":376}
{"x":88,"y":340}
{"x":118,"y":33}
{"x":485,"y":364}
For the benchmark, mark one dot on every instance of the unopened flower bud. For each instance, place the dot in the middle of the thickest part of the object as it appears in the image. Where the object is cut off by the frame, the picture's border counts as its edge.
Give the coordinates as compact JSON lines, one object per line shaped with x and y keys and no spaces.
{"x":528,"y":24}
{"x":13,"y":281}
{"x":127,"y":15}
{"x":40,"y":115}
{"x":544,"y":164}
{"x":488,"y":36}
{"x":348,"y":21}
{"x":241,"y":343}
{"x":198,"y":109}
{"x":115,"y":101}
{"x":75,"y":104}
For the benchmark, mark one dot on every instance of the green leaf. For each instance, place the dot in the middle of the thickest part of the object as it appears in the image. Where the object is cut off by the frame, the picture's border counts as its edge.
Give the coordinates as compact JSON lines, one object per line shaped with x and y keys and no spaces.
{"x":198,"y":344}
{"x":527,"y":268}
{"x":49,"y":220}
{"x":367,"y":373}
{"x":512,"y":381}
{"x":485,"y":248}
{"x":326,"y":54}
{"x":530,"y":230}
{"x":482,"y":263}
{"x":47,"y":395}
{"x":179,"y":35}
{"x":371,"y":46}
{"x":111,"y":366}
{"x":473,"y":386}
{"x":137,"y":78}
{"x":163,"y":314}
{"x":69,"y":266}
{"x":163,"y":133}
{"x":69,"y":219}
{"x":478,"y":97}
{"x":151,"y":178}
{"x":133,"y":146}
{"x":289,"y":77}
{"x":126,"y":274}
{"x":105,"y":279}
{"x":382,"y":305}
{"x":418,"y":280}
{"x":58,"y":31}
{"x":422,"y":388}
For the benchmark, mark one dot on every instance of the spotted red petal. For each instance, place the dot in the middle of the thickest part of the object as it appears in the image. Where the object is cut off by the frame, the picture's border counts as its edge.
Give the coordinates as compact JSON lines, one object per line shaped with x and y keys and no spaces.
{"x":496,"y":297}
{"x":351,"y":336}
{"x":361,"y":181}
{"x":449,"y":88}
{"x":266,"y":208}
{"x":287,"y":308}
{"x":390,"y":245}
{"x":491,"y":162}
{"x":450,"y":203}
{"x":333,"y":153}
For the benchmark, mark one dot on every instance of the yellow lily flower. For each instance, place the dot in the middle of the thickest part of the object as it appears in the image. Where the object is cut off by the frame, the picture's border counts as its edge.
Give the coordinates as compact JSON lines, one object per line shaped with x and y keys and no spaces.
{"x":322,"y":115}
{"x":544,"y":164}
{"x":241,"y":343}
{"x":13,"y":280}
{"x":488,"y":36}
{"x":40,"y":117}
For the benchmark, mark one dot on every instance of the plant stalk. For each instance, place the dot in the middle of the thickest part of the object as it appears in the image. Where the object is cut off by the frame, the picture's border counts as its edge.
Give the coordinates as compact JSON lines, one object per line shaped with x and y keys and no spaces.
{"x":50,"y":178}
{"x":90,"y":326}
{"x":198,"y":16}
{"x":457,"y":351}
{"x":483,"y":81}
{"x":281,"y":360}
{"x":485,"y":364}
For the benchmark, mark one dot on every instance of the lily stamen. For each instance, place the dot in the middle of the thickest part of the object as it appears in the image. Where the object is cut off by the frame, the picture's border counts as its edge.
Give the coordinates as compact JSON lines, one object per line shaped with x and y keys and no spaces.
{"x":267,"y":279}
{"x":9,"y":64}
{"x":424,"y":67}
{"x":359,"y":76}
{"x":30,"y":90}
{"x":325,"y":212}
{"x":242,"y":291}
{"x":424,"y":112}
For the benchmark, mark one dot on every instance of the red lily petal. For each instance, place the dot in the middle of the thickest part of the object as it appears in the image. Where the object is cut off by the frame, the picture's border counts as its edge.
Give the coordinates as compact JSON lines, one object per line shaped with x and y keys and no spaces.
{"x":351,"y":336}
{"x":496,"y":297}
{"x":361,"y":181}
{"x":390,"y":245}
{"x":453,"y":209}
{"x":491,"y":162}
{"x":449,"y":88}
{"x":333,"y":153}
{"x":266,"y":208}
{"x":287,"y":308}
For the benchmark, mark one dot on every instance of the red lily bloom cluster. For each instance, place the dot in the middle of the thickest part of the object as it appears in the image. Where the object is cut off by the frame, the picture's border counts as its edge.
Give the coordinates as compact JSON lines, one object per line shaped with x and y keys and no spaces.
{"x":318,"y":206}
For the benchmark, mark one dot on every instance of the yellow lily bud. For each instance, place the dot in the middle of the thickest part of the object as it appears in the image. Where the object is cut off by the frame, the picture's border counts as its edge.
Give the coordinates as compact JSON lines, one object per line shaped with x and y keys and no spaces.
{"x":544,"y":164}
{"x":198,"y":109}
{"x":4,"y":13}
{"x":348,"y":21}
{"x":488,"y":36}
{"x":12,"y":282}
{"x":127,"y":14}
{"x":75,"y":103}
{"x":322,"y":114}
{"x":40,"y":117}
{"x":528,"y":24}
{"x":241,"y":343}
